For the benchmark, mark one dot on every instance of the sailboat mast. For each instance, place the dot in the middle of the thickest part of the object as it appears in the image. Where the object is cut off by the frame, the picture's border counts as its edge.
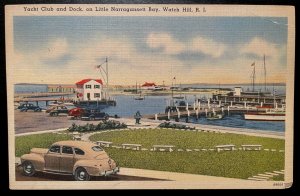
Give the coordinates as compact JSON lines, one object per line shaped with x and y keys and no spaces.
{"x":136,"y":91}
{"x":265,"y":73}
{"x":253,"y":77}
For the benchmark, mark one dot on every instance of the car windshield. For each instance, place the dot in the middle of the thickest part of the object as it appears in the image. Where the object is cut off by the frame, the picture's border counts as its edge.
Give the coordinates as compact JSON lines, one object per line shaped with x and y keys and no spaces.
{"x":97,"y":148}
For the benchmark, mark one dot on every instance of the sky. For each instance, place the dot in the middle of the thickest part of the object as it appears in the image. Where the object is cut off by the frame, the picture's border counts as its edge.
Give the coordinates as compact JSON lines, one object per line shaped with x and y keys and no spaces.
{"x":66,"y":49}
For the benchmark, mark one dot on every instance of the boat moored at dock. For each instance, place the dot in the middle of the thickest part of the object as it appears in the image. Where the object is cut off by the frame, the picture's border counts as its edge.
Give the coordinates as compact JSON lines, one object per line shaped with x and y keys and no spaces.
{"x":272,"y":115}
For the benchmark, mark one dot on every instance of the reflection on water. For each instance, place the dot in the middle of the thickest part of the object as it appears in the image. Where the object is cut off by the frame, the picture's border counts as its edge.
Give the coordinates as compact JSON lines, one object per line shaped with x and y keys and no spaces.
{"x":237,"y":120}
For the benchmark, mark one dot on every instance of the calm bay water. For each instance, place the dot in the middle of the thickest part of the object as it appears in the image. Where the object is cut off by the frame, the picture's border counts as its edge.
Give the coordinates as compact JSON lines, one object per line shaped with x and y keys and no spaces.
{"x":127,"y":106}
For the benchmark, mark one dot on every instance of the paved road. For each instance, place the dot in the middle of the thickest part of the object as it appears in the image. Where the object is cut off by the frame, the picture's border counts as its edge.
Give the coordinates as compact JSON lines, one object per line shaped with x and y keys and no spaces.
{"x":55,"y":177}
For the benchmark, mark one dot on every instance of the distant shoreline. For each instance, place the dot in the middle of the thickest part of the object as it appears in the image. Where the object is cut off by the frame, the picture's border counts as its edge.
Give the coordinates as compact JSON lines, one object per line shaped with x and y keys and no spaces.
{"x":203,"y":84}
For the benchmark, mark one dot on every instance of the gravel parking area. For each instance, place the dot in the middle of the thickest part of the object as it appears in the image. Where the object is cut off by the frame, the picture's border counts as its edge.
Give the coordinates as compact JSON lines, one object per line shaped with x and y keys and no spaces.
{"x":39,"y":121}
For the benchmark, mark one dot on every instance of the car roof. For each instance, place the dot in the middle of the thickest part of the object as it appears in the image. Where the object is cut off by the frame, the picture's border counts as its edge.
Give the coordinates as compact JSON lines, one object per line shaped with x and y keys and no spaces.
{"x":84,"y":145}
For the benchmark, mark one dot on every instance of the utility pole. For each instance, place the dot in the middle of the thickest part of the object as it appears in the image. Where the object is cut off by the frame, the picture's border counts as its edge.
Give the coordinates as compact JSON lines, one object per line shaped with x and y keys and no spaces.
{"x":106,"y":76}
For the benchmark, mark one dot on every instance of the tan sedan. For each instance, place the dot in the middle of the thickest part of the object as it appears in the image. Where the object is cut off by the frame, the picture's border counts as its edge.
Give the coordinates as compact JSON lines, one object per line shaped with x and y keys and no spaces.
{"x":78,"y":158}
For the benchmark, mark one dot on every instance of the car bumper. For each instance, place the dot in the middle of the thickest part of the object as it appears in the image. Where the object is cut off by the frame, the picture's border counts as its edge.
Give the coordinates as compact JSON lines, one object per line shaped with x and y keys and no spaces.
{"x":109,"y":172}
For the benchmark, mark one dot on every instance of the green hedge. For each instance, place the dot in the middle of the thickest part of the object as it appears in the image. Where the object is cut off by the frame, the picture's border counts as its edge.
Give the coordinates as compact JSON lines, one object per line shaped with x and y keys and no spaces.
{"x":174,"y":126}
{"x":110,"y":124}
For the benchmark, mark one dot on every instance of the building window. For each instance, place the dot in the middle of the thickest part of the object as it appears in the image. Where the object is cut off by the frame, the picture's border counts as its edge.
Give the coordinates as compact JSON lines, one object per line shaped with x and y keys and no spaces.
{"x":96,"y":86}
{"x":88,"y":86}
{"x":96,"y":95}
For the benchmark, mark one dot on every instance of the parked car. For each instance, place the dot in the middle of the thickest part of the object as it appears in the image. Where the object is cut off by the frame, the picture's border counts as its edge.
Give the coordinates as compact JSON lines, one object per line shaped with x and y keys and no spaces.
{"x":94,"y":114}
{"x":50,"y":108}
{"x":76,"y":113}
{"x":53,"y":107}
{"x":29,"y":106}
{"x":78,"y":158}
{"x":57,"y":110}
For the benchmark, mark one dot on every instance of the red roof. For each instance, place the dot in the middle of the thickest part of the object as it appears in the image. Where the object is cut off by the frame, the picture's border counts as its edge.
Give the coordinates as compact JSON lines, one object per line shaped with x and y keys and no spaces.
{"x":149,"y":84}
{"x":82,"y":82}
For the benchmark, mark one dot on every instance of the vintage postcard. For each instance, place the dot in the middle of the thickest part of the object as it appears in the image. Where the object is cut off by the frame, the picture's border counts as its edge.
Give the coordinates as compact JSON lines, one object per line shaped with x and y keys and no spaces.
{"x":150,"y":96}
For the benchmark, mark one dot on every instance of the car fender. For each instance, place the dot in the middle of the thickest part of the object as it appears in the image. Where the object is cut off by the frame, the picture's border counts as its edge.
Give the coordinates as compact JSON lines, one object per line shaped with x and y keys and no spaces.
{"x":91,"y":166}
{"x":37,"y":160}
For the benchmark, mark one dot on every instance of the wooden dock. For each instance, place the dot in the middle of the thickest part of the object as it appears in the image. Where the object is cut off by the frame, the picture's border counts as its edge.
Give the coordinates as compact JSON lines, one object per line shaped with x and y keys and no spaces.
{"x":201,"y":112}
{"x":45,"y":94}
{"x":42,"y":97}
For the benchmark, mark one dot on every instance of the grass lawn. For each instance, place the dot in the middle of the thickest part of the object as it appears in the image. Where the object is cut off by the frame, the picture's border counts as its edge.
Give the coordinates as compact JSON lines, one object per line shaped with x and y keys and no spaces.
{"x":184,"y":139}
{"x":280,"y":177}
{"x":25,"y":143}
{"x":234,"y":164}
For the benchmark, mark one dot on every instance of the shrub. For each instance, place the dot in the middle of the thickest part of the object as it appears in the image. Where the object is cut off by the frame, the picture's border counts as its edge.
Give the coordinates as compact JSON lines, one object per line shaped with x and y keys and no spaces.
{"x":174,"y":126}
{"x":110,"y":124}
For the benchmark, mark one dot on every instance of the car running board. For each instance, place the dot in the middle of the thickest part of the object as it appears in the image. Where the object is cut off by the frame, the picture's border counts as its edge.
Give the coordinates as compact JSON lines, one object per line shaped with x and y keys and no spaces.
{"x":54,"y":172}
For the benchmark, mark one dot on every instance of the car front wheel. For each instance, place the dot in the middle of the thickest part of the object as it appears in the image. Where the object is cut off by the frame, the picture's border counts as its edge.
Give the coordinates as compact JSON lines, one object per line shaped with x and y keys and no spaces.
{"x":28,"y":168}
{"x":81,"y":174}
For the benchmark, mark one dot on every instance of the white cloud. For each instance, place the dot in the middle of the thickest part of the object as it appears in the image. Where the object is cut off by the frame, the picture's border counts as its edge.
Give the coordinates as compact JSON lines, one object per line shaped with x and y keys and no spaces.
{"x":171,"y":46}
{"x":207,"y":46}
{"x":165,"y":41}
{"x":55,"y":49}
{"x":259,"y":47}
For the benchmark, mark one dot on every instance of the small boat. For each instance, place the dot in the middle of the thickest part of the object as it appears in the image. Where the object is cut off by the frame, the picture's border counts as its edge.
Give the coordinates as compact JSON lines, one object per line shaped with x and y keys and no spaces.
{"x":272,"y":115}
{"x":140,"y":97}
{"x":215,"y":116}
{"x":178,"y":97}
